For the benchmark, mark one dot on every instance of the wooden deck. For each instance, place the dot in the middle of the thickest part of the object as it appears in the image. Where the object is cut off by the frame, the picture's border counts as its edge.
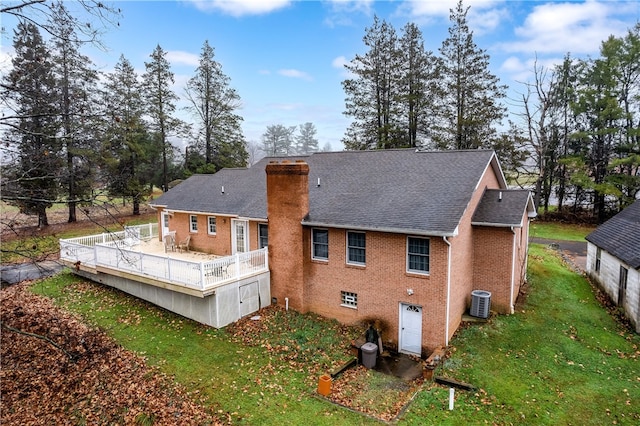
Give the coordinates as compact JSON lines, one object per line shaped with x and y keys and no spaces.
{"x":138,"y":251}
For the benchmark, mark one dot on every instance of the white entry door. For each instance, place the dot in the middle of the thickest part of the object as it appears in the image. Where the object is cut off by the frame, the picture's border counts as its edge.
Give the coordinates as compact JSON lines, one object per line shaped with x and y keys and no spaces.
{"x":165,"y":224}
{"x":410,"y":329}
{"x":249,"y":300}
{"x":239,"y":236}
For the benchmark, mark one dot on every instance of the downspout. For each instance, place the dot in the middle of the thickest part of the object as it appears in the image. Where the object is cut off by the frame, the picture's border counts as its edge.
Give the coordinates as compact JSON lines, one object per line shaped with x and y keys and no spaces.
{"x":513,"y":271}
{"x":446,"y":325}
{"x":526,"y":252}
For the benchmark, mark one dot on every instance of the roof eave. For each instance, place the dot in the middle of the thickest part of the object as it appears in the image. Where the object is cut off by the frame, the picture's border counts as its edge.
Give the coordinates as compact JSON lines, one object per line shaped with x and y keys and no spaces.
{"x":498,"y":225}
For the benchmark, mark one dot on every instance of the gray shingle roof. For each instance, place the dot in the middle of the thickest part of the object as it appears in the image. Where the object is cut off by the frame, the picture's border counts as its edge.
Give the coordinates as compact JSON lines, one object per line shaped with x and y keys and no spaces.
{"x":392,"y":190}
{"x":620,"y":235}
{"x":502,"y":207}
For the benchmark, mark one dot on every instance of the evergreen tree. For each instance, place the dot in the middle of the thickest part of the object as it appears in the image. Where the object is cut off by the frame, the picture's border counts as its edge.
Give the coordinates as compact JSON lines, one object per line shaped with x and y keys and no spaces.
{"x":306,"y":142}
{"x":160,"y":101}
{"x":212,"y":103}
{"x":372,"y":96}
{"x":418,"y":68}
{"x":278,"y":140}
{"x":31,"y":179}
{"x":76,"y":80}
{"x":468,"y":95}
{"x":127,"y":146}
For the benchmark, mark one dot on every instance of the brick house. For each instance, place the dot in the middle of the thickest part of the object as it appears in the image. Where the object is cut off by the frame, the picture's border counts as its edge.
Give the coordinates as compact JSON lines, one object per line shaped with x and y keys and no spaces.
{"x":401,"y":236}
{"x":613,"y":260}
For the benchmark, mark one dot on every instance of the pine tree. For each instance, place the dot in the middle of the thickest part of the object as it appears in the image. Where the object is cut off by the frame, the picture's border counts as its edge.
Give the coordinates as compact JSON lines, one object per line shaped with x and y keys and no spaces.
{"x":77,"y":81}
{"x":278,"y":140}
{"x":372,"y":95}
{"x":160,"y":100}
{"x":306,"y":142}
{"x":418,"y":69}
{"x":468,"y":96}
{"x":212,"y":103}
{"x":31,"y":180}
{"x":127,"y":147}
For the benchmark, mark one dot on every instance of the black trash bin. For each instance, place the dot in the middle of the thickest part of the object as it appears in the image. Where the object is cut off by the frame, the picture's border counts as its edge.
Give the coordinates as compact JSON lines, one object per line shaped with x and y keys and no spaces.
{"x":369,"y":354}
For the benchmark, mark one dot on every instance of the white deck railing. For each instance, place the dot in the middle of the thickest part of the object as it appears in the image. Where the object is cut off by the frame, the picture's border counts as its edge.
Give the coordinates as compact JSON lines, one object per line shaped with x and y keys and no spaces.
{"x":115,"y":250}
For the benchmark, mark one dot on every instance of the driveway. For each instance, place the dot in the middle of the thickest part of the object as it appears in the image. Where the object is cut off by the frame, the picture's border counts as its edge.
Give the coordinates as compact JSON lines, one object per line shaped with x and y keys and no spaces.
{"x":575,"y":252}
{"x":15,"y":273}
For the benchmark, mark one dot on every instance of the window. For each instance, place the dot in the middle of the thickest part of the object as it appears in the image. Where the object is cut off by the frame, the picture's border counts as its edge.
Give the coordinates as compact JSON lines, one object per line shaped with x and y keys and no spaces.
{"x":418,"y":255}
{"x":356,"y":252}
{"x":263,"y":235}
{"x":349,"y":300}
{"x":212,"y":225}
{"x":320,"y":244}
{"x":598,"y":254}
{"x":193,"y":223}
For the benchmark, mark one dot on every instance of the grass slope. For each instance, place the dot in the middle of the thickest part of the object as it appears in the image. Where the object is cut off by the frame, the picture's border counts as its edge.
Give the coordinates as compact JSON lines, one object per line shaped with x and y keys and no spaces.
{"x":561,"y":359}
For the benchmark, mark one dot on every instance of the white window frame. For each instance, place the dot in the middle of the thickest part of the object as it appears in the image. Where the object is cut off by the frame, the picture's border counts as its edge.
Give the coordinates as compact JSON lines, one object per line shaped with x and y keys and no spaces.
{"x":314,"y":256}
{"x":349,"y":299}
{"x":428,"y":256}
{"x":355,"y":262}
{"x":215,"y":225}
{"x":193,"y":224}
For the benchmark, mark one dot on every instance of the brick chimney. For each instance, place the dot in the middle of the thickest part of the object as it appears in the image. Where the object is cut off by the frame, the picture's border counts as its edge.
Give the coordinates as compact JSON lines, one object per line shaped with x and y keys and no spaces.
{"x":287,"y":205}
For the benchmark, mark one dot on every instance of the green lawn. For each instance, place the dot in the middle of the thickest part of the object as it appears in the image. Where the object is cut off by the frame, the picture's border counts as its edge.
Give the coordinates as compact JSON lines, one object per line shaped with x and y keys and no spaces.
{"x":559,"y":231}
{"x":561,"y":359}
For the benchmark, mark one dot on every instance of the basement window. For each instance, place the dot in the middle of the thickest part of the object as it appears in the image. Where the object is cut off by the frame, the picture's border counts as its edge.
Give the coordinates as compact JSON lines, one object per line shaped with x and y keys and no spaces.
{"x":349,"y":300}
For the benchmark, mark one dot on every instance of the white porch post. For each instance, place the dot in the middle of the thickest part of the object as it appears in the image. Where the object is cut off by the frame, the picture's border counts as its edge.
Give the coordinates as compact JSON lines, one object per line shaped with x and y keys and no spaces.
{"x":237,"y":260}
{"x":202,"y":275}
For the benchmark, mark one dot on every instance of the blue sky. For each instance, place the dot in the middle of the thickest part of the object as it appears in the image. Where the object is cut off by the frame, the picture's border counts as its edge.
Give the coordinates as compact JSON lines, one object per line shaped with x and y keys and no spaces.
{"x":285,"y":58}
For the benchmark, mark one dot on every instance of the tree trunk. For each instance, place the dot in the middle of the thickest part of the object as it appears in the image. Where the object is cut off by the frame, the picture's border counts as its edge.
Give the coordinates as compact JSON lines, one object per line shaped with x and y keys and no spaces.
{"x":136,"y":205}
{"x":42,"y":218}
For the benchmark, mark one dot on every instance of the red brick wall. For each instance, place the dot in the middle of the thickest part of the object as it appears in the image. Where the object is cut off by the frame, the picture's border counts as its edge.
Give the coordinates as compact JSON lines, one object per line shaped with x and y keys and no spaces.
{"x":218,"y":244}
{"x":462,"y":254}
{"x":381,"y":285}
{"x":493,"y":262}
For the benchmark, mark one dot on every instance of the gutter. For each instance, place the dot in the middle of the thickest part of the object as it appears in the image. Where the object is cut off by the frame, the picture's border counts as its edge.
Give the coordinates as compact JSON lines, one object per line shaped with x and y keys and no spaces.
{"x":446,"y":325}
{"x":422,"y":233}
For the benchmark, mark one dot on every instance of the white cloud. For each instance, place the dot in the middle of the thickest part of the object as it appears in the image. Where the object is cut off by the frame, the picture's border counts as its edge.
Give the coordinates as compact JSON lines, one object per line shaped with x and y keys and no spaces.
{"x":295,"y":74}
{"x":522,"y":70}
{"x":178,"y":57}
{"x":341,"y":12}
{"x":240,"y":7}
{"x":339,"y":62}
{"x":578,"y":28}
{"x":6,"y":55}
{"x":351,"y":5}
{"x":483,"y":16}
